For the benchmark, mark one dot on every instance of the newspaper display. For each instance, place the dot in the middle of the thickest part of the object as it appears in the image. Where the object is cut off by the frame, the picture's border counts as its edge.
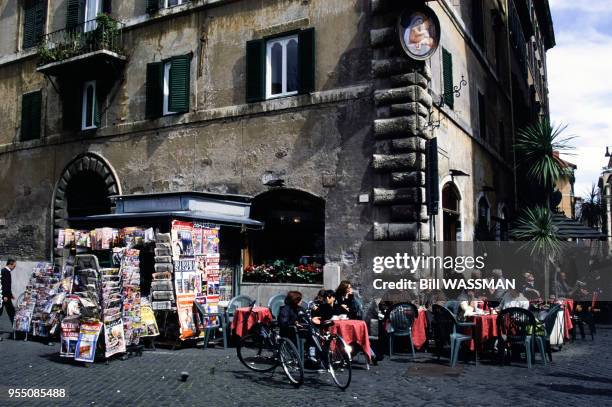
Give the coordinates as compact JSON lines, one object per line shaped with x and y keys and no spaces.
{"x":130,"y":277}
{"x":69,"y":336}
{"x":147,"y":320}
{"x":182,"y":239}
{"x":88,"y":339}
{"x":184,"y":303}
{"x":114,"y":337}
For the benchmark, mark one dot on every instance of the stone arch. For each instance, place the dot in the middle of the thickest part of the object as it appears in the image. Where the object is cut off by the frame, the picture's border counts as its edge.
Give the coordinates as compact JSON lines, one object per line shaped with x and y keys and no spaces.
{"x":86,"y":163}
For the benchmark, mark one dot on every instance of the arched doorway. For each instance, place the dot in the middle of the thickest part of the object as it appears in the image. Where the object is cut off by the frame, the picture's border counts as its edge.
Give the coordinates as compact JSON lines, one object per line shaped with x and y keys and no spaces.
{"x":83,"y":189}
{"x":451,"y":213}
{"x":294,"y":228}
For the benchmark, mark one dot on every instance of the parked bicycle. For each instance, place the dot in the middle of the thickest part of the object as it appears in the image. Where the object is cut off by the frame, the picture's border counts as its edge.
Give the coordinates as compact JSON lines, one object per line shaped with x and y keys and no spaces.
{"x":330,"y":349}
{"x":263,"y":349}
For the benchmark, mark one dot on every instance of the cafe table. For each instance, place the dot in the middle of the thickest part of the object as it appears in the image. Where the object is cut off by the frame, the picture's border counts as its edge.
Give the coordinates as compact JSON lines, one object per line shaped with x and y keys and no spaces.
{"x":485,"y":329}
{"x":353,"y":331}
{"x":243,"y":322}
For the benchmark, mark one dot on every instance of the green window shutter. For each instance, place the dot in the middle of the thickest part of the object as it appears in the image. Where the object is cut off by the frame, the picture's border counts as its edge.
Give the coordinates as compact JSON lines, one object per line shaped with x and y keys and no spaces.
{"x":152,"y":6}
{"x":178,"y":81}
{"x":35,"y":15}
{"x":255,"y":70}
{"x":306,"y":60}
{"x":72,"y":101}
{"x":30,"y":115}
{"x":447,"y":72}
{"x":154,"y":89}
{"x":97,"y":105}
{"x":74,"y":13}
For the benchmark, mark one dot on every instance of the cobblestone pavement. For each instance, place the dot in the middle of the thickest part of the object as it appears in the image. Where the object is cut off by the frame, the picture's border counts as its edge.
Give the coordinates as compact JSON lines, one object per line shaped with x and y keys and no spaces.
{"x":579,"y":375}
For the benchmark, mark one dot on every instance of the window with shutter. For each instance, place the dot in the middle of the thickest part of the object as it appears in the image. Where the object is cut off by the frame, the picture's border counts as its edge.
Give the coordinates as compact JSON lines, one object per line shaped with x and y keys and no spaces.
{"x":447,"y":72}
{"x":152,"y":6}
{"x":74,"y":13}
{"x":178,"y":84}
{"x":35,"y":16}
{"x":89,"y":109}
{"x":255,"y":70}
{"x":154,"y":85}
{"x":478,"y":22}
{"x":31,"y":105}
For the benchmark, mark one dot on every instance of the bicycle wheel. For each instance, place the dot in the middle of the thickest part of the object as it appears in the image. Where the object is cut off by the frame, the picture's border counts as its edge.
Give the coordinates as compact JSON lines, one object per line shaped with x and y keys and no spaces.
{"x":257,"y":353}
{"x":339,"y":362}
{"x":291,"y":361}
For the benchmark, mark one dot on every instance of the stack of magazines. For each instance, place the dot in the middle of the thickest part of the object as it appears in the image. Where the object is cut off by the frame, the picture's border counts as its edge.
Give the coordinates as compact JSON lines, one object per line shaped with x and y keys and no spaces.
{"x":130,"y":277}
{"x":111,"y":314}
{"x":162,"y":289}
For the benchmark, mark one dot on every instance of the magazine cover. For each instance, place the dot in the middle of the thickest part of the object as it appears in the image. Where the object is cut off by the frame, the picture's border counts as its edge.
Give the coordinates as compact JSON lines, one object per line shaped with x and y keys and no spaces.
{"x":210,"y":240}
{"x":114,"y":337}
{"x":88,"y":338}
{"x":184,"y":303}
{"x":182,"y":239}
{"x":69,"y":336}
{"x":148,"y":321}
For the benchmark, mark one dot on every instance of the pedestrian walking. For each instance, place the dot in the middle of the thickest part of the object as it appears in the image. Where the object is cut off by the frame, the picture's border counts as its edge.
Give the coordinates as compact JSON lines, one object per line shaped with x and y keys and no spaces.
{"x":7,"y":293}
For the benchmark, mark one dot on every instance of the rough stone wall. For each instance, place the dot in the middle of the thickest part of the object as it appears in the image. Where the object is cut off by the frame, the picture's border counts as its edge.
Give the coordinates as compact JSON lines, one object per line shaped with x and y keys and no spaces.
{"x":400,"y":129}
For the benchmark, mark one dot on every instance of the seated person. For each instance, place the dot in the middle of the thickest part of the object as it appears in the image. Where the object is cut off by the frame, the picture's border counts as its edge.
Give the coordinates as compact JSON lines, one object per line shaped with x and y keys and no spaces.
{"x":513,"y":298}
{"x":288,"y":315}
{"x":328,"y":309}
{"x":346,"y":300}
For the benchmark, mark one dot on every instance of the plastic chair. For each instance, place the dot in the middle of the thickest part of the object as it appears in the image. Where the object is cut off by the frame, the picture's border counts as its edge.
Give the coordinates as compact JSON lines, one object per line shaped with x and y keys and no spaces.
{"x":517,"y":326}
{"x":401,"y":318}
{"x":220,"y":318}
{"x":445,"y":329}
{"x":236,"y":302}
{"x":275,"y":303}
{"x":549,"y":325}
{"x":452,"y":306}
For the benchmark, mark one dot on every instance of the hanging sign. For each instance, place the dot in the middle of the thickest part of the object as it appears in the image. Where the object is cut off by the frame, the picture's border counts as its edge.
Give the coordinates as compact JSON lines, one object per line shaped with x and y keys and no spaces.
{"x":419,"y":31}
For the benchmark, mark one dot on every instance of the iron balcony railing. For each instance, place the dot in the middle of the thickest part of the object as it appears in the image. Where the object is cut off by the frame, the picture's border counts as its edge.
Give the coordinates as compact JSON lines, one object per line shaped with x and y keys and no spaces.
{"x":101,"y":33}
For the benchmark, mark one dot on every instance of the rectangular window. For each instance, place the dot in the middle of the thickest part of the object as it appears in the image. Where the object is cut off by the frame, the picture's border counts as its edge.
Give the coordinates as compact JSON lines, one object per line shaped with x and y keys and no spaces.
{"x":478,"y":23}
{"x":92,"y":9}
{"x":168,"y":87}
{"x":280,"y":66}
{"x":482,"y":116}
{"x":34,"y":18}
{"x":447,"y":72}
{"x":30,"y":115}
{"x":172,"y":3}
{"x":89,"y":106}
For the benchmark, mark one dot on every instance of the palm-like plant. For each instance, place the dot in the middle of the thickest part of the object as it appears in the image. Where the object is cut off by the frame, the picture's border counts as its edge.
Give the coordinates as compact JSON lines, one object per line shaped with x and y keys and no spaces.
{"x":536,"y":226}
{"x":591,"y":209}
{"x":534,"y":146}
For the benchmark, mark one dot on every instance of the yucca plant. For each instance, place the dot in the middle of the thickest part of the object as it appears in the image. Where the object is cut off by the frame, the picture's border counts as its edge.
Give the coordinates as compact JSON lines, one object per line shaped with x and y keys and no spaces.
{"x":536,"y":226}
{"x":591,"y":209}
{"x":534,"y":147}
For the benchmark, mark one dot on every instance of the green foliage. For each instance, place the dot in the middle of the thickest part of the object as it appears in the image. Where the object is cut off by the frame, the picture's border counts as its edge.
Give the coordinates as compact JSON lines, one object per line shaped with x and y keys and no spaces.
{"x":592,"y":210}
{"x":281,"y":272}
{"x":536,"y":226}
{"x":534,"y":150}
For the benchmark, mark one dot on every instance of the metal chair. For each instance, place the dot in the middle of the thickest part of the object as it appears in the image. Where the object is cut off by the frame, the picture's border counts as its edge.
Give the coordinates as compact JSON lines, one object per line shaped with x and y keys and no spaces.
{"x":401,"y":318}
{"x":275,"y":303}
{"x":517,"y":326}
{"x":220,"y":323}
{"x":445,"y":329}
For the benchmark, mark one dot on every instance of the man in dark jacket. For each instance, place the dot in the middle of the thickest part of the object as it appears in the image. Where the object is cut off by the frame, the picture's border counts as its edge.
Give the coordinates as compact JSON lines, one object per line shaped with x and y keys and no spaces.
{"x":7,"y":293}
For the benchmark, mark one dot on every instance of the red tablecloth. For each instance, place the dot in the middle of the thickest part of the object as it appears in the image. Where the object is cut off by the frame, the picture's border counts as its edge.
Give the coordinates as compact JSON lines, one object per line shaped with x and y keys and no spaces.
{"x":353,"y":331}
{"x":241,"y":324}
{"x":568,"y":306}
{"x":419,"y":330}
{"x":486,"y":329}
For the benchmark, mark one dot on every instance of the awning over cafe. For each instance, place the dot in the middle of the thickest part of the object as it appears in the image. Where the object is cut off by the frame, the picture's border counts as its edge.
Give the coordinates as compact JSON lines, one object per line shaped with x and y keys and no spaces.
{"x":568,"y":229}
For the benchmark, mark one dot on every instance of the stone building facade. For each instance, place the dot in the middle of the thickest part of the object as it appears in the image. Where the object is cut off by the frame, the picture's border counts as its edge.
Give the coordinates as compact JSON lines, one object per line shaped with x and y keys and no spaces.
{"x":184,"y":96}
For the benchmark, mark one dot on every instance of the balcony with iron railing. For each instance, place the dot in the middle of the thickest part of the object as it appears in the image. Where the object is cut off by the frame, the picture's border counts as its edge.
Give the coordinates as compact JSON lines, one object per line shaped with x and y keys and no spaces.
{"x":80,"y":48}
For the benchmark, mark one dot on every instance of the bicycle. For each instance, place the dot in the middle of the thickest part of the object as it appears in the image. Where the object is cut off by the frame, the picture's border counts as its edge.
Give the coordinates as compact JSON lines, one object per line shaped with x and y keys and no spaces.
{"x":331,"y":350}
{"x":263,"y":350}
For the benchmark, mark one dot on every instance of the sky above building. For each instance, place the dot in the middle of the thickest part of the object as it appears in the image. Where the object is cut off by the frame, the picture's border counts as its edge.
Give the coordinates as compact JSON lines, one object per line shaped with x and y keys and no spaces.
{"x":580,"y":83}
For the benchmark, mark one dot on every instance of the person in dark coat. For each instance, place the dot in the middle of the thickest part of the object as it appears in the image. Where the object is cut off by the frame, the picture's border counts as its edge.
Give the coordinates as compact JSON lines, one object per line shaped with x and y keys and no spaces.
{"x":288,"y":315}
{"x":7,"y":292}
{"x":346,"y":300}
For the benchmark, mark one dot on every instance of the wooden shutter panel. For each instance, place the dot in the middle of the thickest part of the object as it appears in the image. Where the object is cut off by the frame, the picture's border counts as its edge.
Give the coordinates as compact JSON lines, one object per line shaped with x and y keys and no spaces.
{"x":98,"y":99}
{"x":29,"y":24}
{"x":178,"y":81}
{"x":447,"y":72}
{"x":30,"y":115}
{"x":72,"y":100}
{"x":154,"y":89}
{"x":255,"y":70}
{"x":73,"y":13}
{"x":152,"y":6}
{"x":306,"y":60}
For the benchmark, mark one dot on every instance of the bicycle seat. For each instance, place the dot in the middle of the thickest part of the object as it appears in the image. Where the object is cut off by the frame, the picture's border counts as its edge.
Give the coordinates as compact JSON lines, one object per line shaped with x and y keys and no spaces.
{"x":326,"y":324}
